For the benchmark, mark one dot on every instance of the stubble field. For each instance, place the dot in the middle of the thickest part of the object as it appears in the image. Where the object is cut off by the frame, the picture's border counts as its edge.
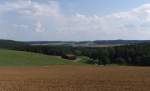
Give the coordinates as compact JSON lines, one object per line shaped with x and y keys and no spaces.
{"x":74,"y":78}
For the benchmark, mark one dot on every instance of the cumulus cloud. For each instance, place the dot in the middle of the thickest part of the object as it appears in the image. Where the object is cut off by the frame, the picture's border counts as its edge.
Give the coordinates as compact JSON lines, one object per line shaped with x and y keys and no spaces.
{"x":20,"y":26}
{"x":34,"y":9}
{"x":132,"y":24}
{"x":47,"y":22}
{"x":39,"y":27}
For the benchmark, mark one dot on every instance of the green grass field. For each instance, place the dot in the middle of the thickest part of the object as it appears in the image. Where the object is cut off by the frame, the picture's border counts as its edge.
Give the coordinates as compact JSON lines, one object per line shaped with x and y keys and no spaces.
{"x":19,"y":58}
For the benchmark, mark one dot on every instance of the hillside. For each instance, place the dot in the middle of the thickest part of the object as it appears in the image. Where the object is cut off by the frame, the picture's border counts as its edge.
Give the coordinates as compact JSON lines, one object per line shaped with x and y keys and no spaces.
{"x":10,"y":44}
{"x":135,"y":54}
{"x":18,"y":58}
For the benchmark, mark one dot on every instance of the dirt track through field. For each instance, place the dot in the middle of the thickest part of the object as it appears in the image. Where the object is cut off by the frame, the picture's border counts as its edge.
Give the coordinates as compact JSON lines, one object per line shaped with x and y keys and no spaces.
{"x":75,"y":78}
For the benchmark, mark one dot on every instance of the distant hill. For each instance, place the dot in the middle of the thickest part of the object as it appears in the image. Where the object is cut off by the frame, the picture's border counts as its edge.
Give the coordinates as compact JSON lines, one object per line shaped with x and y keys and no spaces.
{"x":89,"y":43}
{"x":10,"y":44}
{"x":121,"y":42}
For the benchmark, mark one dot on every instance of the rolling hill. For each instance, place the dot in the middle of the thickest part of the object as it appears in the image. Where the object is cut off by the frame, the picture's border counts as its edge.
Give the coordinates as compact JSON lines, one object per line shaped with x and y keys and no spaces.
{"x":19,"y":58}
{"x":10,"y":44}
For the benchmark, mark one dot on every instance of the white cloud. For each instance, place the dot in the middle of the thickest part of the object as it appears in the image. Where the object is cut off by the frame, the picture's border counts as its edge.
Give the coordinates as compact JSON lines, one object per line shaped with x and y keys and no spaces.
{"x":34,"y":9}
{"x":39,"y":27}
{"x":133,"y":24}
{"x":23,"y":26}
{"x":50,"y":24}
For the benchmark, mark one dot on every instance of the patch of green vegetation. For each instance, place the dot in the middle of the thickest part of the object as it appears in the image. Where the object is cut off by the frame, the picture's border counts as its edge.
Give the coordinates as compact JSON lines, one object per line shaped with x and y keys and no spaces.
{"x":19,"y":58}
{"x":83,"y":60}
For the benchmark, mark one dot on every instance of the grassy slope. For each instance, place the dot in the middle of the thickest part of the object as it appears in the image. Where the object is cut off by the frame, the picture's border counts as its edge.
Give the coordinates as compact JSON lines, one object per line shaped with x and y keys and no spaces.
{"x":18,"y":58}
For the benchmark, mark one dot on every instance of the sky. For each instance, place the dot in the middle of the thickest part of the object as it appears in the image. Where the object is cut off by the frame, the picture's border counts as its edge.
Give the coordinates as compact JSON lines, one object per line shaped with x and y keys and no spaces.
{"x":74,"y":20}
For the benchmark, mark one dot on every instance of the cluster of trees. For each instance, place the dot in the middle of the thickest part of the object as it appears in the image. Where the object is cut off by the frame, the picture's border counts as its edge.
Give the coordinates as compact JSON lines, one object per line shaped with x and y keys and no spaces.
{"x":10,"y":44}
{"x":137,"y":54}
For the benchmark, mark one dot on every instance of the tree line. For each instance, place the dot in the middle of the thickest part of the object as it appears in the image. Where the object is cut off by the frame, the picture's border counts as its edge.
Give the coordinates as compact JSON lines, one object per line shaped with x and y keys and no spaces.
{"x":137,"y":54}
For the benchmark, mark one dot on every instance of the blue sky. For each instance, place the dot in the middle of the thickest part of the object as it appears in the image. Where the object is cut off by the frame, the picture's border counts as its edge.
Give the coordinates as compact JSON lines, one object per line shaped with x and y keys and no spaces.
{"x":100,"y":7}
{"x":76,"y":20}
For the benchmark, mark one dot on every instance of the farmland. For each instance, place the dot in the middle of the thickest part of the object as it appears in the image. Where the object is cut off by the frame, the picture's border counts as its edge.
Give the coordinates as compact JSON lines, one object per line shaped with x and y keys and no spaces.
{"x":74,"y":78}
{"x":36,"y":71}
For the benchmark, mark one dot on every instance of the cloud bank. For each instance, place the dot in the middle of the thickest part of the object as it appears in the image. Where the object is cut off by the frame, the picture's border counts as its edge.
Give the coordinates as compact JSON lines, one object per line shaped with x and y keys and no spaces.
{"x":31,"y":20}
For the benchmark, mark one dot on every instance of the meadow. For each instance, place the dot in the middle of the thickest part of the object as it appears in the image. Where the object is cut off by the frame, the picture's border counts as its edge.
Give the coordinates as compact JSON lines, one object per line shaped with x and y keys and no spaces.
{"x":20,"y":58}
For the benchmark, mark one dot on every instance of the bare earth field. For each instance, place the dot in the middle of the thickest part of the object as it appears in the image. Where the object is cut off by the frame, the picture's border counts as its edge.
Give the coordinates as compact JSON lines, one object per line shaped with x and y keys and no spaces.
{"x":75,"y":78}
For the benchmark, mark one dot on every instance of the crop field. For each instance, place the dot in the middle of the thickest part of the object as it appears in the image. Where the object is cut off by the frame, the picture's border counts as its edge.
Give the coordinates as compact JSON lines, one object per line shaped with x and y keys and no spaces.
{"x":74,"y":78}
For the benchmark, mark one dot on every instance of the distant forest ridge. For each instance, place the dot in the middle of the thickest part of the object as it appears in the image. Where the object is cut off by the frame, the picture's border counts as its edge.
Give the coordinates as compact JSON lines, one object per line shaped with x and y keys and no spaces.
{"x":89,"y":43}
{"x":12,"y":43}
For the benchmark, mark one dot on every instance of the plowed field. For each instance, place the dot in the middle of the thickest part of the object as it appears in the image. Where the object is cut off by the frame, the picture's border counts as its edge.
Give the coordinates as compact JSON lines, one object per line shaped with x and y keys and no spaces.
{"x":74,"y":78}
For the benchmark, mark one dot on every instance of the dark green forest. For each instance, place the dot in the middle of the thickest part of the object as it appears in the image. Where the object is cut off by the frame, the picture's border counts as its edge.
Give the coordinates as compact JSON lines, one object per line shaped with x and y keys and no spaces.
{"x":135,"y":54}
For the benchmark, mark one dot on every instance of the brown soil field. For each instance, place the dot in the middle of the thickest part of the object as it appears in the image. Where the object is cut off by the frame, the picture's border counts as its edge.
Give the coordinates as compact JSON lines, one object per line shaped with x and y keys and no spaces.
{"x":75,"y":78}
